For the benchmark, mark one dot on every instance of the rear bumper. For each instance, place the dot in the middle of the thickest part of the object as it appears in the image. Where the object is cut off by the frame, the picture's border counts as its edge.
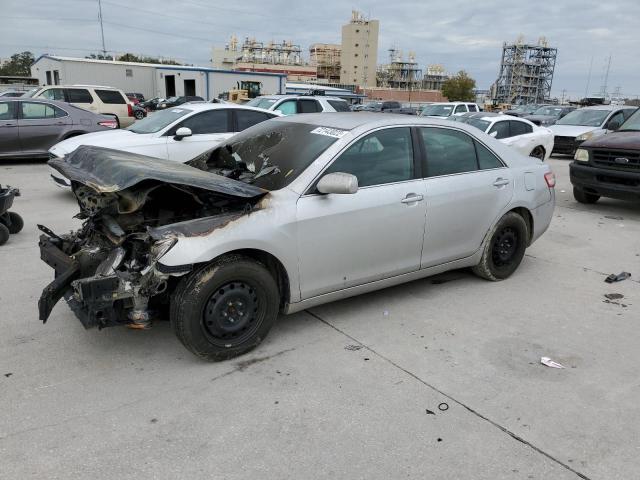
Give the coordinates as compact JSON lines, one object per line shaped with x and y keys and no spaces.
{"x":605,"y":182}
{"x":542,"y":217}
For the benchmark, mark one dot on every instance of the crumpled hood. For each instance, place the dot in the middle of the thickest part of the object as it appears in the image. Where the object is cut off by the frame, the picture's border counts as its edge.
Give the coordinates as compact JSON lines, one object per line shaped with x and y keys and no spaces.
{"x":106,"y":170}
{"x":623,"y":140}
{"x":571,"y":130}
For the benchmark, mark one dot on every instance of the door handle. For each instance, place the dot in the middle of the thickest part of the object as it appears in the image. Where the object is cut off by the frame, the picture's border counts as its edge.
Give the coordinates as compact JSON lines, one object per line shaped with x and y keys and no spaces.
{"x":412,"y":198}
{"x":501,"y":182}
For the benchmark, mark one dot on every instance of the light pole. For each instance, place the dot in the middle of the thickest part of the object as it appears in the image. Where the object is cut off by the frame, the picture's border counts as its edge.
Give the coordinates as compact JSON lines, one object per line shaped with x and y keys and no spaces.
{"x":104,"y":50}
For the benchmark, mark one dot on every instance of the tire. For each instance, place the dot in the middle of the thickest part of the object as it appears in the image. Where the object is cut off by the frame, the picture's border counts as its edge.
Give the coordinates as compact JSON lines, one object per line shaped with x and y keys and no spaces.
{"x":138,"y":114}
{"x":17,"y":224}
{"x":505,"y":249}
{"x":538,"y":153}
{"x":583,"y":197}
{"x":226,"y":308}
{"x":4,"y":234}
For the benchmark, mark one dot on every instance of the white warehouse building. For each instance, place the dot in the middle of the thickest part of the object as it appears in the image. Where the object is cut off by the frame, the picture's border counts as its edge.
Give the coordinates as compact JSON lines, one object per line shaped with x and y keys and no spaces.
{"x":152,"y":80}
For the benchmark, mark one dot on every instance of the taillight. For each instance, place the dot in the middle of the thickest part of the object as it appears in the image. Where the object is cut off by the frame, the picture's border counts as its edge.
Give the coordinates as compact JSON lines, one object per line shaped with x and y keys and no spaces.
{"x":109,"y":123}
{"x":130,"y":109}
{"x":550,"y":178}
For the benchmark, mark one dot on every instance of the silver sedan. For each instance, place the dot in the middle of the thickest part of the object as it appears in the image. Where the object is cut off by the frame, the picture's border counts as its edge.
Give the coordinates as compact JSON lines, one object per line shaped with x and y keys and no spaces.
{"x":289,"y":214}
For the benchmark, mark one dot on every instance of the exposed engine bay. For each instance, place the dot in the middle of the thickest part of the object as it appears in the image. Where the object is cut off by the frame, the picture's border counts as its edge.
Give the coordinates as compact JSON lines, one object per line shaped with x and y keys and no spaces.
{"x":134,"y":209}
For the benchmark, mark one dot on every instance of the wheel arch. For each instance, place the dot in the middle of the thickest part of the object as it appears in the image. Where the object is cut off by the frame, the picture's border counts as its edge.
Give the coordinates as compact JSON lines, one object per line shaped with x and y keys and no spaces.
{"x":73,"y":133}
{"x":528,"y":218}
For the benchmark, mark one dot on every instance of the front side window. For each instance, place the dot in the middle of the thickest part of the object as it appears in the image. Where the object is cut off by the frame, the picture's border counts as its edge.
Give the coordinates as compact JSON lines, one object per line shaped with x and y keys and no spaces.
{"x":633,"y":123}
{"x":33,"y":111}
{"x":113,"y":97}
{"x":461,"y":109}
{"x":448,"y":151}
{"x":519,"y":128}
{"x":309,"y":106}
{"x":79,"y":95}
{"x":213,"y":121}
{"x":385,"y":156}
{"x":288,"y":107}
{"x":501,"y":129}
{"x":249,"y":118}
{"x":53,"y":94}
{"x":618,"y":118}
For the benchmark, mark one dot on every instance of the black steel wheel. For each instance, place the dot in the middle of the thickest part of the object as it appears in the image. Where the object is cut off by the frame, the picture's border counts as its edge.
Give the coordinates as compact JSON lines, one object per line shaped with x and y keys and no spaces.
{"x":16,"y":224}
{"x":225,"y":308}
{"x":538,"y":153}
{"x":4,"y":234}
{"x":505,"y":249}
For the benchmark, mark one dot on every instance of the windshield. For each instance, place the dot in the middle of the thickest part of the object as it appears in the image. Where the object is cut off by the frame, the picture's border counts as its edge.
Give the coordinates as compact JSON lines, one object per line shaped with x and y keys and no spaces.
{"x":272,"y":156}
{"x":30,"y":93}
{"x":632,"y":123}
{"x":550,"y":111}
{"x":261,"y":102}
{"x":587,"y":118}
{"x":156,"y":122}
{"x":437,"y":110}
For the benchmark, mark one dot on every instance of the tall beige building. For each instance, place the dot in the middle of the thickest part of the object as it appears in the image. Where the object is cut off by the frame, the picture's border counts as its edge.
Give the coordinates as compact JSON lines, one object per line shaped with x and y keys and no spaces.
{"x":359,"y":56}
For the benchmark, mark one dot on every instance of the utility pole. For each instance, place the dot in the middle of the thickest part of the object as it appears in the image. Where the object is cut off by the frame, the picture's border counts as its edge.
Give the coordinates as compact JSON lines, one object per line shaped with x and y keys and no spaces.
{"x":564,"y":91}
{"x":104,"y":50}
{"x":586,"y":91}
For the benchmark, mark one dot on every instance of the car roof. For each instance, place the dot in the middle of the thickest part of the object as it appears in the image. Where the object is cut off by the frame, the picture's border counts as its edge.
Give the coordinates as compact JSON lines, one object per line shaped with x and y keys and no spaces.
{"x":452,"y":103}
{"x":606,"y":107}
{"x":202,"y":106}
{"x":278,"y":97}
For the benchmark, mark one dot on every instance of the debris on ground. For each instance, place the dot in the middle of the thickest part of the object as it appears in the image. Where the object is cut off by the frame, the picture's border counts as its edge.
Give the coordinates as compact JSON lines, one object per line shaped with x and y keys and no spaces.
{"x":8,"y":374}
{"x":443,"y":407}
{"x":430,"y":412}
{"x":614,"y":217}
{"x":614,"y":296}
{"x":617,"y":278}
{"x":353,"y":348}
{"x":550,"y":363}
{"x":386,"y":313}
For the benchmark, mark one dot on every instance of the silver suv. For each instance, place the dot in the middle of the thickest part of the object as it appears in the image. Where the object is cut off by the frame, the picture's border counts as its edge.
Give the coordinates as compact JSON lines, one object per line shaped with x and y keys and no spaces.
{"x":292,"y":104}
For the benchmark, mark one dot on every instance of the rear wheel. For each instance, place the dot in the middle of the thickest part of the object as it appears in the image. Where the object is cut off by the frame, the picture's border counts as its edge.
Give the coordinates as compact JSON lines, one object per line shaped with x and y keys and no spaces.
{"x":538,"y":153}
{"x":4,"y":234}
{"x":16,"y":224}
{"x":226,"y":308}
{"x":139,"y":114}
{"x":505,"y":249}
{"x":584,"y":197}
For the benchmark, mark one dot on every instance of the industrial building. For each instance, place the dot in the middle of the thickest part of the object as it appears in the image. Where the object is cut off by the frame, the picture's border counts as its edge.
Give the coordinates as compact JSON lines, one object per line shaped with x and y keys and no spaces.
{"x":435,"y":77}
{"x":398,"y":73}
{"x":526,"y":73}
{"x":359,"y":55}
{"x":152,"y":80}
{"x":326,"y":58}
{"x":272,"y":57}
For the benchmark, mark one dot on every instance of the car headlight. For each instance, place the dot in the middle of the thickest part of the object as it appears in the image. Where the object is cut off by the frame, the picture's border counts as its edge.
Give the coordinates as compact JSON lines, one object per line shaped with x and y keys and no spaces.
{"x":584,"y":136}
{"x":582,"y":155}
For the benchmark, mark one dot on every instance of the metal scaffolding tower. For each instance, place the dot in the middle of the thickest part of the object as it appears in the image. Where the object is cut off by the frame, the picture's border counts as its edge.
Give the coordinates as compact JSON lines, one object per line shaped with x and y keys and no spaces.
{"x":526,"y":73}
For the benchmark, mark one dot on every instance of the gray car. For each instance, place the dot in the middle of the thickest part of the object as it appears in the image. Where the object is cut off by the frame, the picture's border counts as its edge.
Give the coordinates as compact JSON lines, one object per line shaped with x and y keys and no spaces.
{"x":549,"y":114}
{"x":291,"y":213}
{"x":30,"y":127}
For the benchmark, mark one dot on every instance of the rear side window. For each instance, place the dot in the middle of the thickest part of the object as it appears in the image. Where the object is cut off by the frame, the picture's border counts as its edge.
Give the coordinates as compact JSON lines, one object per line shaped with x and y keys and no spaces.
{"x":79,"y":95}
{"x":6,"y":111}
{"x":53,"y":94}
{"x":249,"y":118}
{"x":309,"y":106}
{"x":448,"y":151}
{"x":213,"y":121}
{"x":520,"y":128}
{"x":111,"y":97}
{"x":33,"y":111}
{"x":501,"y":129}
{"x":486,"y":159}
{"x":473,"y":108}
{"x":339,"y":106}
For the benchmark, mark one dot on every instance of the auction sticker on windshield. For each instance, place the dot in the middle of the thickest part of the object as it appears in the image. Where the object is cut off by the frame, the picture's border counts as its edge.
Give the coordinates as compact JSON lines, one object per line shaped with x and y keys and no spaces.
{"x":329,"y":132}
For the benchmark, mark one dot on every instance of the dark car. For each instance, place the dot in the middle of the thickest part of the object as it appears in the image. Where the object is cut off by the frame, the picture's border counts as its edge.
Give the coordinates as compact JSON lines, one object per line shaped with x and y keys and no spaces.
{"x":151,"y":105}
{"x":549,"y":114}
{"x":609,"y":165}
{"x":175,"y":101}
{"x":29,"y":127}
{"x":137,"y":96}
{"x":523,"y":110}
{"x":139,"y":112}
{"x":388,"y":106}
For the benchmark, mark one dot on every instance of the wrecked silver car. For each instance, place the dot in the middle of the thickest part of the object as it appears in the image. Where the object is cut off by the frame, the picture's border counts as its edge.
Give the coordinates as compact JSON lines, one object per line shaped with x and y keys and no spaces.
{"x":289,"y":214}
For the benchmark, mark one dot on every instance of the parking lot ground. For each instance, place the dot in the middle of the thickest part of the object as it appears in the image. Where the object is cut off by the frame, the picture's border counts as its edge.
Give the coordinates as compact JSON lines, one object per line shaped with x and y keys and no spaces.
{"x":341,"y":391}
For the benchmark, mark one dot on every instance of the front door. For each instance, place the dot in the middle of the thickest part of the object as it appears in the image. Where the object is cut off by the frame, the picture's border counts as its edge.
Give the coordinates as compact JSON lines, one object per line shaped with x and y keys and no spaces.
{"x":352,"y":239}
{"x":467,"y":187}
{"x":208,"y":128}
{"x":9,"y":138}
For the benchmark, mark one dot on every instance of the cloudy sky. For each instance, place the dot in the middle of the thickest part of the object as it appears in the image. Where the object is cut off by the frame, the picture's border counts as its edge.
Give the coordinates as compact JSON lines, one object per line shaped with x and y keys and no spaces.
{"x":459,"y":34}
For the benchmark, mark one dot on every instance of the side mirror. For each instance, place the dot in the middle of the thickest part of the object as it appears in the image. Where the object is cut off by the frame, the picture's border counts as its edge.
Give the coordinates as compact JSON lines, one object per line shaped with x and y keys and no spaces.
{"x":614,"y":125}
{"x":338,"y":182}
{"x":181,"y":133}
{"x":493,"y":134}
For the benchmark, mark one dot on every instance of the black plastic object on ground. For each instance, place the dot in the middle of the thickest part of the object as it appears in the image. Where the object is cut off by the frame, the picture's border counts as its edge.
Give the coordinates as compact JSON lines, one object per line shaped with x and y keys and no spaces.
{"x":10,"y":222}
{"x":617,"y":278}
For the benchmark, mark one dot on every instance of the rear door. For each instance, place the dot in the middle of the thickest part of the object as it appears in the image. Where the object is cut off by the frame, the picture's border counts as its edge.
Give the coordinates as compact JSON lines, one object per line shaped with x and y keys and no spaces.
{"x":521,"y":137}
{"x":41,"y":125}
{"x":376,"y":233}
{"x":81,"y":97}
{"x":243,"y":119}
{"x":467,"y":187}
{"x":9,"y":137}
{"x":208,"y":128}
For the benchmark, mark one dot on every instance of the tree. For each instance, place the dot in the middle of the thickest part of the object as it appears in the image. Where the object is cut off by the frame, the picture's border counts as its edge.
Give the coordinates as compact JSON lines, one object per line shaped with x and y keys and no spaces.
{"x":130,"y":57}
{"x":19,"y":65}
{"x":459,"y":88}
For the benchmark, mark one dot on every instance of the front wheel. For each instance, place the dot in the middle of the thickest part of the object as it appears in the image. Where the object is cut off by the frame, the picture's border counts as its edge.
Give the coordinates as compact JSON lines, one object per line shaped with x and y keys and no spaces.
{"x":138,"y":114}
{"x":584,"y":197}
{"x":226,"y":308}
{"x":505,"y":249}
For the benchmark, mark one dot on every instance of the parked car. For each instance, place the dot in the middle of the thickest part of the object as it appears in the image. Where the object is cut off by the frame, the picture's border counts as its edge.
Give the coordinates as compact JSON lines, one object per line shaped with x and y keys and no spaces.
{"x":138,"y":96}
{"x":609,"y":165}
{"x":30,"y":126}
{"x":523,"y":110}
{"x":448,"y":109}
{"x":138,"y":112}
{"x":587,"y":123}
{"x":151,"y":105}
{"x":289,"y":214}
{"x":549,"y":114}
{"x":11,"y":93}
{"x":178,"y":133}
{"x":134,"y":101}
{"x":388,"y":106}
{"x":104,"y":100}
{"x":518,"y":133}
{"x":292,"y":104}
{"x":175,"y":101}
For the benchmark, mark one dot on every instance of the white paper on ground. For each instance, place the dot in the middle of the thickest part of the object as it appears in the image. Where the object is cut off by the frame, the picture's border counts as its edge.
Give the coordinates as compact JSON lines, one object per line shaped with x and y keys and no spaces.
{"x":550,"y":363}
